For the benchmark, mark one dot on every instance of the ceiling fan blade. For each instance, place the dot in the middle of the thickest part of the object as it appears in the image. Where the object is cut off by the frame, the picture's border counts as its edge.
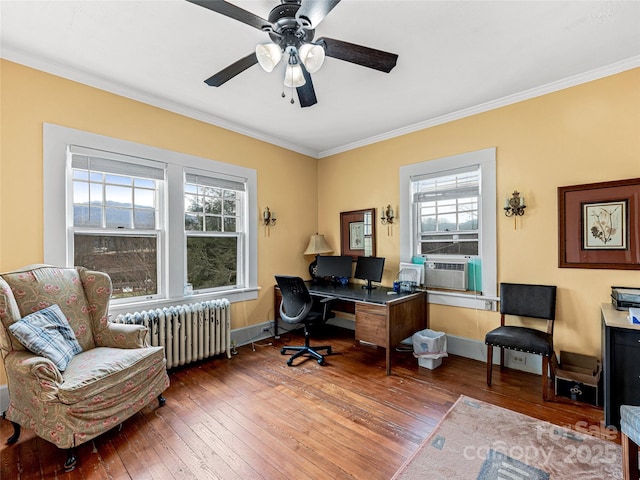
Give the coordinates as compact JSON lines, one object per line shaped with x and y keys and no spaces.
{"x":306,"y":93}
{"x":232,"y":70}
{"x":365,"y":56}
{"x":237,"y":13}
{"x":315,"y":10}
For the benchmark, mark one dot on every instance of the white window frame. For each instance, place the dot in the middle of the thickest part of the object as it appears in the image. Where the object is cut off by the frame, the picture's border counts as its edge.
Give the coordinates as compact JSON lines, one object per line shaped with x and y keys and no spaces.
{"x":58,"y":217}
{"x":486,"y":158}
{"x":239,"y":234}
{"x":158,"y":232}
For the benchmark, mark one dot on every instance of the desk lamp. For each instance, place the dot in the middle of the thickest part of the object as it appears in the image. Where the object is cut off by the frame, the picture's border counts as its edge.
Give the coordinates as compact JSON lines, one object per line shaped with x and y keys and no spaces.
{"x":317,"y":245}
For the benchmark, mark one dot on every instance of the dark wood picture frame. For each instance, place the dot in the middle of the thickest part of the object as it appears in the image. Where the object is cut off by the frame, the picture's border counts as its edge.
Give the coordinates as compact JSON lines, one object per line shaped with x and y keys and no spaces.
{"x":358,"y":233}
{"x":579,"y":237}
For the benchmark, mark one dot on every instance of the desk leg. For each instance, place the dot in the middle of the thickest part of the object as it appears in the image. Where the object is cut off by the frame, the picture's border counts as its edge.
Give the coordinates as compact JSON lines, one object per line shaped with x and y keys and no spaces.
{"x":388,"y":349}
{"x":277,"y":299}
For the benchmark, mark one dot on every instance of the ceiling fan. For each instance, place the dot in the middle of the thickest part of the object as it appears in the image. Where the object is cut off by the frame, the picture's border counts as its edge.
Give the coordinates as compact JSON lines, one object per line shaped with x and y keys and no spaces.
{"x":291,"y":26}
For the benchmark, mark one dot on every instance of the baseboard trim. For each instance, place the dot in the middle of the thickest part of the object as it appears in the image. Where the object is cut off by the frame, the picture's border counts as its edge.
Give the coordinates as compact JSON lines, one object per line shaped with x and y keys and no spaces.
{"x":477,"y":350}
{"x":252,"y":333}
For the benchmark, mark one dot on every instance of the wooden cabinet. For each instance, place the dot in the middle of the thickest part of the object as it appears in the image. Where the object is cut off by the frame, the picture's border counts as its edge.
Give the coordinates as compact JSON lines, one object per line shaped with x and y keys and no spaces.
{"x":621,"y":362}
{"x":371,"y":324}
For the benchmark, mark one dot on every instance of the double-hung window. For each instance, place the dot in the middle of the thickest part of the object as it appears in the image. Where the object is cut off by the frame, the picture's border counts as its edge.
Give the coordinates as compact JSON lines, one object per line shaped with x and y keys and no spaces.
{"x":213,"y":231}
{"x":448,"y":215}
{"x":446,"y":206}
{"x":165,"y":226}
{"x":116,"y":220}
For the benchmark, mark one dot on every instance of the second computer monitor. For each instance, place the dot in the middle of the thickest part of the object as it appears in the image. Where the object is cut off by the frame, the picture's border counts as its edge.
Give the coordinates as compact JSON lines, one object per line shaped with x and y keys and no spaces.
{"x":369,"y":269}
{"x":334,"y":266}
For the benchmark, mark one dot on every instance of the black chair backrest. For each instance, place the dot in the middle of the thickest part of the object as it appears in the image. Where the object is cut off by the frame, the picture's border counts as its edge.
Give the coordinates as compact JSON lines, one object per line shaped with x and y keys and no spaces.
{"x":537,"y":301}
{"x":296,"y":300}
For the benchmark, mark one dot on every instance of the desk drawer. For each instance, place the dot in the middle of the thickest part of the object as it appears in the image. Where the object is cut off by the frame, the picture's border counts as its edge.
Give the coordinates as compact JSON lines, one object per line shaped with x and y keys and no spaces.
{"x":371,"y":324}
{"x":630,"y":338}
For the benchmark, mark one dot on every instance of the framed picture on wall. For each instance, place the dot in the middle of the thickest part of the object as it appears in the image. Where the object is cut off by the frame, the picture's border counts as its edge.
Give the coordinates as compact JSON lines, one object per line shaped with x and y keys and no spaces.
{"x":604,"y":226}
{"x":358,"y":233}
{"x":599,"y":226}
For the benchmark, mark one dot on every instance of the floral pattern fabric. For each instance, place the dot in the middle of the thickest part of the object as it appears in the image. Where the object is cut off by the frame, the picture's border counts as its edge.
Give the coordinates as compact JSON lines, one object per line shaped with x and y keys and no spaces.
{"x":114,"y":377}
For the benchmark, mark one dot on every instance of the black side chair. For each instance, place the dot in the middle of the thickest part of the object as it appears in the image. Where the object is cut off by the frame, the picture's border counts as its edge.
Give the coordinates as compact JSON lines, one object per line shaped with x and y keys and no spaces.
{"x":298,"y":307}
{"x":534,"y":301}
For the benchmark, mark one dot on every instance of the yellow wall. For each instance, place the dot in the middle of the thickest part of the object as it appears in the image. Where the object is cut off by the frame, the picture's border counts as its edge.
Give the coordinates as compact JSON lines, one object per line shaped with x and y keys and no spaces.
{"x":585,"y":134}
{"x":30,"y":98}
{"x":589,"y":133}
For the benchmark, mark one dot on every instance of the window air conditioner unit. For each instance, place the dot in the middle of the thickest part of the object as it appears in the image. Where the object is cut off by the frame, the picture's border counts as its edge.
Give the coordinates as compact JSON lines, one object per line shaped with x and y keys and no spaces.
{"x":451,"y":274}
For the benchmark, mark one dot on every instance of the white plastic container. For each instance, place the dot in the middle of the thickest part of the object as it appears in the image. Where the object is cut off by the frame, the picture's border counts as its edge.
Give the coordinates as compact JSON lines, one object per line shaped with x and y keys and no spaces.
{"x":429,"y":363}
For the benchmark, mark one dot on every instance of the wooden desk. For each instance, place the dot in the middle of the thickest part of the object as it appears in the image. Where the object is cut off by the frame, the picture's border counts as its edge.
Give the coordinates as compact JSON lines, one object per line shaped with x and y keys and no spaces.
{"x":381,"y":319}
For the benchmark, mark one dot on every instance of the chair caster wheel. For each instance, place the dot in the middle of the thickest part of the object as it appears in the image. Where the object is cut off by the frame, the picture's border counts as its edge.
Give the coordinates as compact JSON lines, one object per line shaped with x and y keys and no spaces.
{"x":329,"y":351}
{"x":321,"y":361}
{"x":283,"y":352}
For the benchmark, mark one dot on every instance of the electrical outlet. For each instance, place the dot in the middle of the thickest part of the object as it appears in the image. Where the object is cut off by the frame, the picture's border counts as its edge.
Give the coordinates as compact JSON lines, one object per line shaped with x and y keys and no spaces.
{"x":519,"y":359}
{"x":266,"y":329}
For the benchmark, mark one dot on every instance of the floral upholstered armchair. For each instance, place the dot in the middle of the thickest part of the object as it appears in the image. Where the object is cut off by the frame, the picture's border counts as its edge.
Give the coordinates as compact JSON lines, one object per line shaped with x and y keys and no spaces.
{"x":71,"y":373}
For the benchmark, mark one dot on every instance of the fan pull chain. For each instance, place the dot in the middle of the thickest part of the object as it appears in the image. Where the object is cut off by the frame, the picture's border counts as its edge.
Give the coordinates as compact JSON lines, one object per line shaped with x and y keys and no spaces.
{"x":284,"y":95}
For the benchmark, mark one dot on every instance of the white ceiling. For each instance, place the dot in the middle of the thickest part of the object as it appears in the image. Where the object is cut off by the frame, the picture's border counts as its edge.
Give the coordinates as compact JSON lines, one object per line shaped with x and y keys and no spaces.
{"x":455,"y":58}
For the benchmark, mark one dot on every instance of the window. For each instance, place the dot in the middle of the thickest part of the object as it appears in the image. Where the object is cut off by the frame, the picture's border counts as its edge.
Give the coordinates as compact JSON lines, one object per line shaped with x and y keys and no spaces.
{"x":448,"y":212}
{"x":447,"y":218}
{"x":155,"y":220}
{"x":213,"y":229}
{"x":115,"y":222}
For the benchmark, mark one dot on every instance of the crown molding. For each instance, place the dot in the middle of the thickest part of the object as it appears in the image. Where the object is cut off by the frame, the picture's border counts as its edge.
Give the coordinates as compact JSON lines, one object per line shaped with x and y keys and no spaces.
{"x":568,"y":82}
{"x":117,"y":88}
{"x":92,"y":80}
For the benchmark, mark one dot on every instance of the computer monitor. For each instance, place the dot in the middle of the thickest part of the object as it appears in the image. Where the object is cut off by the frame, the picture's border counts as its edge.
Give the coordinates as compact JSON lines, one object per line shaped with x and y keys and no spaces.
{"x":369,"y":269}
{"x":333,"y":266}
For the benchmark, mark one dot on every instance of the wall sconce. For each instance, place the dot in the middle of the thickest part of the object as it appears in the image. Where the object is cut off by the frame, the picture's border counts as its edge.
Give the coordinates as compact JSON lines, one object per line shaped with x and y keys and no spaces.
{"x":269,"y":218}
{"x":387,"y":215}
{"x":514,"y":206}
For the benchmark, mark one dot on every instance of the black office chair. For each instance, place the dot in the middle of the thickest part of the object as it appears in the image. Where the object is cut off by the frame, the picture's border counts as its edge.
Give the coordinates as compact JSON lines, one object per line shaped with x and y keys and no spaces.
{"x":534,"y":301}
{"x":298,"y":307}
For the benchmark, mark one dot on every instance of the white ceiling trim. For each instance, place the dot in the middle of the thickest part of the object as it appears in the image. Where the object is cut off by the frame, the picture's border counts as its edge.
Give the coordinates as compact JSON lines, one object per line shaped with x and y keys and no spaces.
{"x":117,"y":88}
{"x":91,"y":80}
{"x":573,"y":81}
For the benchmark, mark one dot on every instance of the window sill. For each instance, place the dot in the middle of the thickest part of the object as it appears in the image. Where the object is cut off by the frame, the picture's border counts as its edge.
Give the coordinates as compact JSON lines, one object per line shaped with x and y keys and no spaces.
{"x":235,"y":295}
{"x":463,"y":300}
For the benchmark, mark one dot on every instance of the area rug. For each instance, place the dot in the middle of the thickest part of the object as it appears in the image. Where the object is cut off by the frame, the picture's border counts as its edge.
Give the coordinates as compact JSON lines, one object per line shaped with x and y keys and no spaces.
{"x":479,"y":441}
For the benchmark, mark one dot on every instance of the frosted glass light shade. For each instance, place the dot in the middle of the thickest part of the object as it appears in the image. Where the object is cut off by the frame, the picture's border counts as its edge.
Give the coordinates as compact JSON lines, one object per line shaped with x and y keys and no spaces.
{"x":269,"y":54}
{"x":312,"y":57}
{"x":293,"y":76}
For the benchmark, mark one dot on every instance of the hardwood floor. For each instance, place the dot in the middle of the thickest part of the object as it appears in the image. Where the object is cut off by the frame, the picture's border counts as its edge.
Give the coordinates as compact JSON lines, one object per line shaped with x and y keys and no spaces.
{"x":252,"y":417}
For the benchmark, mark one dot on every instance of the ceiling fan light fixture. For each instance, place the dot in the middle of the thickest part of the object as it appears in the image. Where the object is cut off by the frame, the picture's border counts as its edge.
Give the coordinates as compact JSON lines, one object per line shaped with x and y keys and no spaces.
{"x":293,"y":76}
{"x":269,"y":55}
{"x":312,"y":56}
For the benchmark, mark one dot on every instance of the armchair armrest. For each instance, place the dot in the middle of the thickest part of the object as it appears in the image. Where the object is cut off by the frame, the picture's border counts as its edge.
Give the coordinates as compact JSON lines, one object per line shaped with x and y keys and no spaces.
{"x":121,"y":335}
{"x":37,"y":376}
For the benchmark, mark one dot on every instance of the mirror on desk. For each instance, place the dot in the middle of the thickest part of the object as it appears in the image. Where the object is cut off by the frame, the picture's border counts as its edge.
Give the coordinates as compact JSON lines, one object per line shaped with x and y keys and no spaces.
{"x":358,"y":233}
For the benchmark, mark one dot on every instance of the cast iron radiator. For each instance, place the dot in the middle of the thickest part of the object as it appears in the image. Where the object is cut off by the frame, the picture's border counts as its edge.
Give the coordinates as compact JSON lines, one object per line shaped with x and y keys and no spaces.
{"x":187,"y":332}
